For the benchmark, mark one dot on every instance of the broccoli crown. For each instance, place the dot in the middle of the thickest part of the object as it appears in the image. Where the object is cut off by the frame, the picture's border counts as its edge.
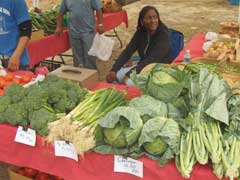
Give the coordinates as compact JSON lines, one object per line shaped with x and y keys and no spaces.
{"x":16,"y":114}
{"x":36,"y":97}
{"x":2,"y":120}
{"x":39,"y":120}
{"x":64,"y":105}
{"x":55,"y":94}
{"x":16,"y":92}
{"x":5,"y":101}
{"x":63,"y":95}
{"x":75,"y":93}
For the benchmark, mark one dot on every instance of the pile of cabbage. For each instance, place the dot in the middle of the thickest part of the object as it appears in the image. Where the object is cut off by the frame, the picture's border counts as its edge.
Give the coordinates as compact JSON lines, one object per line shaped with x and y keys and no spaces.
{"x":190,"y":118}
{"x":148,"y":124}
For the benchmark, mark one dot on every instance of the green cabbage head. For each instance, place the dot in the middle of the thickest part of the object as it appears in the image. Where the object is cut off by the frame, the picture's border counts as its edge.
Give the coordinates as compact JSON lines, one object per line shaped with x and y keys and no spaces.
{"x":159,"y":135}
{"x":121,"y":127}
{"x":157,"y":147}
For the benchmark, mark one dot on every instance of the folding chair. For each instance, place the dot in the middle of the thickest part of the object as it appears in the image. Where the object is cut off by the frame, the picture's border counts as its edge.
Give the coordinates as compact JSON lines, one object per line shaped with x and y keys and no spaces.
{"x":177,"y":43}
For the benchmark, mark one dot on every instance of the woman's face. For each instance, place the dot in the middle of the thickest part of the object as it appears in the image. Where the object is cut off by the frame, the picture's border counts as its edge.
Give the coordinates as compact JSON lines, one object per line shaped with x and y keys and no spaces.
{"x":150,"y":20}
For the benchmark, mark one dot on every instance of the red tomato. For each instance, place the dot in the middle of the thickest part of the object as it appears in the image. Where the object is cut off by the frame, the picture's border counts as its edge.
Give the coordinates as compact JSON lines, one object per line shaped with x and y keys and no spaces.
{"x":16,"y":80}
{"x":9,"y":76}
{"x":2,"y":82}
{"x":1,"y":92}
{"x":29,"y":172}
{"x":26,"y":78}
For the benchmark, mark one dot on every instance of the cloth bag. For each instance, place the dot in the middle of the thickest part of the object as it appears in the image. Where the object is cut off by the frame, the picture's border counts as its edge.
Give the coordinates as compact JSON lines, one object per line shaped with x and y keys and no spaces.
{"x":102,"y":47}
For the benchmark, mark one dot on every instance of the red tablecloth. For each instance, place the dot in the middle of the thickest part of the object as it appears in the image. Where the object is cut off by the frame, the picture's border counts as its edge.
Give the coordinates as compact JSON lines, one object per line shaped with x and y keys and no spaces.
{"x":195,"y":47}
{"x":92,"y":166}
{"x":53,"y":45}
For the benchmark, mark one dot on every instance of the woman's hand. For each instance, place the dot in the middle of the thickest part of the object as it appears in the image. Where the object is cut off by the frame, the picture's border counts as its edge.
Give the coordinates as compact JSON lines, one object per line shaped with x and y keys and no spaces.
{"x":111,"y":77}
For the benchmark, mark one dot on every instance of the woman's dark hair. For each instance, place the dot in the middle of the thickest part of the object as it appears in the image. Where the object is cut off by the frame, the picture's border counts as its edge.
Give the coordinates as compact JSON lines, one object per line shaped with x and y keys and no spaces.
{"x":143,"y":12}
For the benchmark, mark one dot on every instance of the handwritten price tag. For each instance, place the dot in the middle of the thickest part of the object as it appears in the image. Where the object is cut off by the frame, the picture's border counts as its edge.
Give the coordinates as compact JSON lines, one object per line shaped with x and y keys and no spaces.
{"x":128,"y":165}
{"x":64,"y":149}
{"x":27,"y":137}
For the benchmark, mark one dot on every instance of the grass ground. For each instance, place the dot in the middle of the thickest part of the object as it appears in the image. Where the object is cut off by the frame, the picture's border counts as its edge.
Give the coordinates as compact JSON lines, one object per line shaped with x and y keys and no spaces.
{"x":187,"y":16}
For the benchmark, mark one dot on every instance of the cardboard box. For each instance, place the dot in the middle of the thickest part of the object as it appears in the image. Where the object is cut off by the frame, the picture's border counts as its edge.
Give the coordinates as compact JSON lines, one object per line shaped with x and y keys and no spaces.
{"x":88,"y":78}
{"x":37,"y":34}
{"x":15,"y":176}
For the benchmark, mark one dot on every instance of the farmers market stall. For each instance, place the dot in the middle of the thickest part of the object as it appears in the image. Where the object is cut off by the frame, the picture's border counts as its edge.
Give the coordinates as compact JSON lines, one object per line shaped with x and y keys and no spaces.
{"x":53,"y":45}
{"x":185,"y":125}
{"x":92,"y":166}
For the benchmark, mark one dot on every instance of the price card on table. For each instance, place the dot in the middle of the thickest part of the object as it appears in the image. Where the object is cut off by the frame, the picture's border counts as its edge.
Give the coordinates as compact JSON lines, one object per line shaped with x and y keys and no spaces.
{"x":64,"y":149}
{"x":27,"y":136}
{"x":128,"y":165}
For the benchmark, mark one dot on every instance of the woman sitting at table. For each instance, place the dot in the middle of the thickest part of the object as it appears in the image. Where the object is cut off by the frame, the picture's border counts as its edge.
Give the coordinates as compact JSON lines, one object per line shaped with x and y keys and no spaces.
{"x":152,"y":42}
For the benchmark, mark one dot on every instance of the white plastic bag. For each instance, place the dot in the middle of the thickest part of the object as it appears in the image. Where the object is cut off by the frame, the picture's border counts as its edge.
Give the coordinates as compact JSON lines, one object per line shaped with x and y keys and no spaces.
{"x":102,"y":47}
{"x":211,"y":36}
{"x":207,"y":45}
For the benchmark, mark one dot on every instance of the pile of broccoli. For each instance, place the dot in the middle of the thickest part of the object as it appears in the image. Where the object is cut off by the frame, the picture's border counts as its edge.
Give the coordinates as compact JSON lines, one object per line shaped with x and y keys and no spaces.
{"x":40,"y":103}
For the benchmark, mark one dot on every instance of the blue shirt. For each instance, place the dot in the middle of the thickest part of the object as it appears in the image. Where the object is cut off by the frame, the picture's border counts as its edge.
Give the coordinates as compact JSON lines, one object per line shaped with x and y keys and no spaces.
{"x":12,"y":13}
{"x":81,"y":17}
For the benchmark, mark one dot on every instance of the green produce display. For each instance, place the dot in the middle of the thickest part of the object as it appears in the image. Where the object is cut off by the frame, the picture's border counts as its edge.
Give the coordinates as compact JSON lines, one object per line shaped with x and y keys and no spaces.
{"x":46,"y":20}
{"x":230,"y":164}
{"x":39,"y":103}
{"x":80,"y":126}
{"x":190,"y":115}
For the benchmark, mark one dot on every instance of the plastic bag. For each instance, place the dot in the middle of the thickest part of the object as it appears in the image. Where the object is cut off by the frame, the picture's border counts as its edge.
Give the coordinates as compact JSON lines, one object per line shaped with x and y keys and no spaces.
{"x":102,"y":47}
{"x":207,"y":45}
{"x":211,"y":36}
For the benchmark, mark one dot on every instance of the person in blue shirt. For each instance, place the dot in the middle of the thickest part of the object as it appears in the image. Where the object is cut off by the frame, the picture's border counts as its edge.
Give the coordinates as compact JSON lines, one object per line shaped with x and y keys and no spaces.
{"x":82,"y":28}
{"x":15,"y":32}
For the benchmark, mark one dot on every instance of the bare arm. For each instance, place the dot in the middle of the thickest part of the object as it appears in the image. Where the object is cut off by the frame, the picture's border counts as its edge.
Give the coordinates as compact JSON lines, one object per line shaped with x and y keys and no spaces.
{"x":100,"y":21}
{"x":59,"y":28}
{"x":14,"y":60}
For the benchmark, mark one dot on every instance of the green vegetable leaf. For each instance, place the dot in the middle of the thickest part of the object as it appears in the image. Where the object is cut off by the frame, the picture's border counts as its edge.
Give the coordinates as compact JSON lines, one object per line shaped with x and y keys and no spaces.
{"x":147,"y":105}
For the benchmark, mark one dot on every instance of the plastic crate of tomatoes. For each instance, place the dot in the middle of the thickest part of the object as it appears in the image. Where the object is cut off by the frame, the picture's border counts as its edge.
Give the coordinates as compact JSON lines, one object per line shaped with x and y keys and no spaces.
{"x":25,"y":173}
{"x":21,"y":77}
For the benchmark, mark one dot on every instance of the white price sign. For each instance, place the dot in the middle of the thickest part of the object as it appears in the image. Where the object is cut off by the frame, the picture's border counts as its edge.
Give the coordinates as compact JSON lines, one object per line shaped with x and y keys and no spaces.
{"x":64,"y":149}
{"x":27,"y":136}
{"x":128,"y":165}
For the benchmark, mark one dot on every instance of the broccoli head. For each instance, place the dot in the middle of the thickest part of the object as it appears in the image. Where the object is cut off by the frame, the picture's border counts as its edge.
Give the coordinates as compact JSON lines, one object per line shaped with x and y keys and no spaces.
{"x":65,"y":105}
{"x":75,"y":93}
{"x":39,"y":120}
{"x":16,"y":114}
{"x":55,"y":94}
{"x":16,"y":92}
{"x":2,"y":120}
{"x":36,"y":98}
{"x":5,"y":101}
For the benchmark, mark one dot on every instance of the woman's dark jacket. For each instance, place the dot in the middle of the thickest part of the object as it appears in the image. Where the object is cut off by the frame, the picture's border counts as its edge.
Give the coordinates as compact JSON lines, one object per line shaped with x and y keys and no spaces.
{"x":151,"y":49}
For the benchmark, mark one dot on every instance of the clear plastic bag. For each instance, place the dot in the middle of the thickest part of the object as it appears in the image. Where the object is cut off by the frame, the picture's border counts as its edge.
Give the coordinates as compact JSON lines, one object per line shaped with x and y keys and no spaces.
{"x":102,"y":47}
